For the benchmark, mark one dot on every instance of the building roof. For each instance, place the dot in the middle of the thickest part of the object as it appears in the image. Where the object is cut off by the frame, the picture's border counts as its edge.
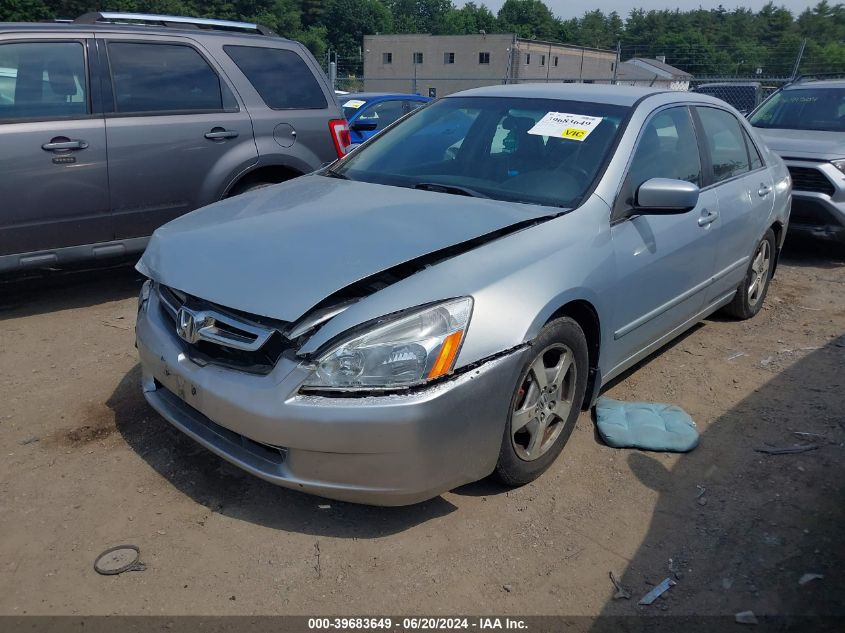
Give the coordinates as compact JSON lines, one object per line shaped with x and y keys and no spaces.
{"x":674,"y":73}
{"x":634,"y":72}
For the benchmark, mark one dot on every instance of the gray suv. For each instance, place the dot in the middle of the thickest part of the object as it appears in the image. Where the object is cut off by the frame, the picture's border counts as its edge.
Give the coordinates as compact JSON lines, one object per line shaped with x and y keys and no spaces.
{"x":805,"y":123}
{"x":114,"y":124}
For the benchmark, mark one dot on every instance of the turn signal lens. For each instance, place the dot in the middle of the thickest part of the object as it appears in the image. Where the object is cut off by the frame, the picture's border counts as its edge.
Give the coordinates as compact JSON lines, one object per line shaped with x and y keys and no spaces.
{"x":446,"y":357}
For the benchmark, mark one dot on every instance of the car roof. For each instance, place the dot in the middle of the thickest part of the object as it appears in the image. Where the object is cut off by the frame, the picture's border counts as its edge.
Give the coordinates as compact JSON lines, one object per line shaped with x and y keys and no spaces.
{"x":813,"y":83}
{"x":366,"y":96}
{"x":601,"y":93}
{"x":141,"y":29}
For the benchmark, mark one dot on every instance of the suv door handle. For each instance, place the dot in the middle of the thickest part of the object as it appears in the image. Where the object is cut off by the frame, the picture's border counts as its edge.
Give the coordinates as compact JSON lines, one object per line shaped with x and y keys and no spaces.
{"x":764,"y":190}
{"x":61,"y":143}
{"x":218,"y":134}
{"x":707,"y":217}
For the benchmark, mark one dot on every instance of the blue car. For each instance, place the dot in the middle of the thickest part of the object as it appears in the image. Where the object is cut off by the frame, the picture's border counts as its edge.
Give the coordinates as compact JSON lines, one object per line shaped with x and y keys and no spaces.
{"x":371,"y":112}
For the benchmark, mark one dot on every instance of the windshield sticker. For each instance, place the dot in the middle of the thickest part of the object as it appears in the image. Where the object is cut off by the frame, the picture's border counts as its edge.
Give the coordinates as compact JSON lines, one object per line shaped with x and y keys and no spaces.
{"x":354,"y":103}
{"x":575,"y":127}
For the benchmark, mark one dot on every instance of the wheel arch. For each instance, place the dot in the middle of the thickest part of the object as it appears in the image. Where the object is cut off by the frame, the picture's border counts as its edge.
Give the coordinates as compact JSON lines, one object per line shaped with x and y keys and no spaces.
{"x":777,"y":228}
{"x":262,"y":173}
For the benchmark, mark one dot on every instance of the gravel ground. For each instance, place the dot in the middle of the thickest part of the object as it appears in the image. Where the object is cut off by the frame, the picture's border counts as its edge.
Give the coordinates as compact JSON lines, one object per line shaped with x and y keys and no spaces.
{"x":88,"y":465}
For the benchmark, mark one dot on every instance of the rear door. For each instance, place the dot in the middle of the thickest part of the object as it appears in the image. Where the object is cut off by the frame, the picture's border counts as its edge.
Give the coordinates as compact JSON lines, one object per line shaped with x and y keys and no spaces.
{"x":665,"y":262}
{"x":744,"y":189}
{"x":176,"y":131}
{"x":53,"y":178}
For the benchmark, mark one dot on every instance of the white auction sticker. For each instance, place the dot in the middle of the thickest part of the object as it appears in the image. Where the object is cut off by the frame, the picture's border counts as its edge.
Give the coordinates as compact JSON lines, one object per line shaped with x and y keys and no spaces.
{"x":354,"y":103}
{"x":575,"y":127}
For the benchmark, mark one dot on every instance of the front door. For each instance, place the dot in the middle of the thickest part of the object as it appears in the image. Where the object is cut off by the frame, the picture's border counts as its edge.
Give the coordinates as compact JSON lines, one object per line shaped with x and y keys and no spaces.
{"x":53,"y":176}
{"x":378,"y":115}
{"x":664,"y":262}
{"x":174,"y":121}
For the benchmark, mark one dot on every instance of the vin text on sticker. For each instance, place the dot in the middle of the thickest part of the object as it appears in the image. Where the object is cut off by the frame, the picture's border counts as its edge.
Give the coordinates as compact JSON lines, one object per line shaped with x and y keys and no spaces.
{"x":575,"y":127}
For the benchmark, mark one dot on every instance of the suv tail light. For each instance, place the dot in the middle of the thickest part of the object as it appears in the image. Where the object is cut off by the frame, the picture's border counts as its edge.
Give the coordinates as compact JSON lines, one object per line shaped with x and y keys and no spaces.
{"x":340,"y":135}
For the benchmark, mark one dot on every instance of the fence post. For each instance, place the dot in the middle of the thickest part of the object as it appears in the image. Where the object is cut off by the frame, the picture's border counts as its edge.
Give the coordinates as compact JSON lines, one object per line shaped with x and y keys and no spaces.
{"x":618,"y":56}
{"x":798,"y":60}
{"x":333,"y":74}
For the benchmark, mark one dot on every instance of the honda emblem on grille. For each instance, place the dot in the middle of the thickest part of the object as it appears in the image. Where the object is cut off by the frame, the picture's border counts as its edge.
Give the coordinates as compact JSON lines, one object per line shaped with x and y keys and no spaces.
{"x":188,"y":324}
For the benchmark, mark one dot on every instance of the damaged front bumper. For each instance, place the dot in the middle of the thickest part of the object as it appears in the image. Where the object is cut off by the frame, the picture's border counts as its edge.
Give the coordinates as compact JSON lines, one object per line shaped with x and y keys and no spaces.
{"x":392,"y":449}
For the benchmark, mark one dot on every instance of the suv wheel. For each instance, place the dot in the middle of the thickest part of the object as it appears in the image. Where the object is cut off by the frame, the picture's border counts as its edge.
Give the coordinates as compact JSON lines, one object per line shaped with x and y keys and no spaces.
{"x":545,"y":404}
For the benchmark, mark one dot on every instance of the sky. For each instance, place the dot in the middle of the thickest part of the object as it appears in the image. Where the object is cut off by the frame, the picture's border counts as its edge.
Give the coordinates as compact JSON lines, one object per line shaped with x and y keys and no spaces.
{"x":569,"y":9}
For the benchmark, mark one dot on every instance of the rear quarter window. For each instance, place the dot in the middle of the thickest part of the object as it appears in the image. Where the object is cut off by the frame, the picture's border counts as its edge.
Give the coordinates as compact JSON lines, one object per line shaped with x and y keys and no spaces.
{"x":281,"y":77}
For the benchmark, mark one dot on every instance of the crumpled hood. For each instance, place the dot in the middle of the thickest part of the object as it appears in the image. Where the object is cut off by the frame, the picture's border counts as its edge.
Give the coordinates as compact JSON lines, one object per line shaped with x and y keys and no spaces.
{"x":805,"y":144}
{"x":279,"y":251}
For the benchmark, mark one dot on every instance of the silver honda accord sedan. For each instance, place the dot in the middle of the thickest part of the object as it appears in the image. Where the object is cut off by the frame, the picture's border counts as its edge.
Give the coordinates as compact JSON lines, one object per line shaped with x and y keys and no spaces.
{"x":439,"y":305}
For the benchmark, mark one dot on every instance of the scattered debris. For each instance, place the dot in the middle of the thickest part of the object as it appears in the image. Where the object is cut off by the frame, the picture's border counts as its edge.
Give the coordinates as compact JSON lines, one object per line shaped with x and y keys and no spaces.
{"x":317,"y":566}
{"x":702,"y":501}
{"x":787,"y":450}
{"x":809,"y":578}
{"x":808,"y":434}
{"x":701,"y":491}
{"x":114,"y":325}
{"x":745,"y":617}
{"x":621,"y":592}
{"x":28,"y":440}
{"x":735,"y":356}
{"x":658,"y":591}
{"x":507,"y":588}
{"x":119,"y":559}
{"x":324,"y":506}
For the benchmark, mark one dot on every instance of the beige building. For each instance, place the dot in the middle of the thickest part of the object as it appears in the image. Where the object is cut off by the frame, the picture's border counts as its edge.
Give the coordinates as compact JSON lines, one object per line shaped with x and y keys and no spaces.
{"x":437,"y":65}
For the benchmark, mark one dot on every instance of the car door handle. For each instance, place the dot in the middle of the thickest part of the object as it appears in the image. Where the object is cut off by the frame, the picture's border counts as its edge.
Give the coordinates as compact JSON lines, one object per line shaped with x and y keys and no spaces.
{"x":764,"y":190}
{"x":707,"y":217}
{"x":57,"y":145}
{"x":218,"y":133}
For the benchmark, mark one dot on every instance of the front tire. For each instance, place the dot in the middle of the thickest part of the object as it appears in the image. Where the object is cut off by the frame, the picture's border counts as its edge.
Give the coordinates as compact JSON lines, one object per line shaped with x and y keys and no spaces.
{"x":752,"y":292}
{"x":546,"y":402}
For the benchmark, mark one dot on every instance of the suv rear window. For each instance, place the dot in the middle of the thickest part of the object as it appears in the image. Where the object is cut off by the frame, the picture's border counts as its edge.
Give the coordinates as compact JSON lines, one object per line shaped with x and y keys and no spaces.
{"x":280,"y":76}
{"x":42,"y":80}
{"x":821,"y":109}
{"x":162,"y":78}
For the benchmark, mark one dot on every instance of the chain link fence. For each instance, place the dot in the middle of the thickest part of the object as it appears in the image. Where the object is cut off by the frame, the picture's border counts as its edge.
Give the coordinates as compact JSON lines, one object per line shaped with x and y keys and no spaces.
{"x":743,"y":77}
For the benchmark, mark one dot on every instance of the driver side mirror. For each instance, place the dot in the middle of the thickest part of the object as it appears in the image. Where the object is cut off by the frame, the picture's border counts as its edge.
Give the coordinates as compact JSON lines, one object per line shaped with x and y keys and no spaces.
{"x":364,"y":126}
{"x":665,"y":196}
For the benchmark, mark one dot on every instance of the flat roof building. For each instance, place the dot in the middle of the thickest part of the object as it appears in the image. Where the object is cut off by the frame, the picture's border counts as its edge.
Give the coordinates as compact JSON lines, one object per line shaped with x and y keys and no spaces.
{"x":437,"y":65}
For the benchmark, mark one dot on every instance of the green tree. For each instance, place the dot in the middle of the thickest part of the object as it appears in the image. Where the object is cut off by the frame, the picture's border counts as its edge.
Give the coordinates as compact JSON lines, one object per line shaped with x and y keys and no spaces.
{"x":528,"y":18}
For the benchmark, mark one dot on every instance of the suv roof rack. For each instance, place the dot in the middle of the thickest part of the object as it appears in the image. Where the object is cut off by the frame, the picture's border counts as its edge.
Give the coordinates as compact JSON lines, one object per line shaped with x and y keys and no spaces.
{"x":817,"y":77}
{"x":96,"y":17}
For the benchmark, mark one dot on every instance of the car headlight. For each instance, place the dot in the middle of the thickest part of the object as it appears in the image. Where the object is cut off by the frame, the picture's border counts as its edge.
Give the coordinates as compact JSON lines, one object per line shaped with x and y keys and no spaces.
{"x":409,"y":350}
{"x":839,"y":164}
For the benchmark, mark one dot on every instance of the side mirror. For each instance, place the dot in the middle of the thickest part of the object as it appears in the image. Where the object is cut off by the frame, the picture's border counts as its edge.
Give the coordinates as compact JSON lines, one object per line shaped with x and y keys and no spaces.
{"x":364,"y":126}
{"x":666,"y":196}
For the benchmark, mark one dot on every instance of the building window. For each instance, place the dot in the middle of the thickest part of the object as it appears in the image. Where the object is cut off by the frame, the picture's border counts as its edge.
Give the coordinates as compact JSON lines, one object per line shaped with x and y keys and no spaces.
{"x":527,"y":59}
{"x":448,"y":58}
{"x":418,"y":58}
{"x":484,"y":58}
{"x":387,"y":58}
{"x":555,"y":60}
{"x":542,"y":60}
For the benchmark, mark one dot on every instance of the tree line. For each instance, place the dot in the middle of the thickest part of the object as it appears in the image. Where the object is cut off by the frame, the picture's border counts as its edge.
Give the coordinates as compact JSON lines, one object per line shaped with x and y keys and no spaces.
{"x":702,"y":41}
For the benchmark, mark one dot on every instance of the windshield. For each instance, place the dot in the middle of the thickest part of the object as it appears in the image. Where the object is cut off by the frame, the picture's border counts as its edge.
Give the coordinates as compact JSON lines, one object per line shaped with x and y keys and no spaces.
{"x":352,"y":106}
{"x":821,"y":109}
{"x":539,"y":151}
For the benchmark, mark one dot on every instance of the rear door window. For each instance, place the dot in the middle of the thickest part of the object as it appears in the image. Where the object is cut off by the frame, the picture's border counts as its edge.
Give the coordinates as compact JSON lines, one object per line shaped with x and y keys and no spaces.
{"x":150,"y":78}
{"x":281,"y":77}
{"x":383,"y":113}
{"x":723,"y":139}
{"x":42,"y":80}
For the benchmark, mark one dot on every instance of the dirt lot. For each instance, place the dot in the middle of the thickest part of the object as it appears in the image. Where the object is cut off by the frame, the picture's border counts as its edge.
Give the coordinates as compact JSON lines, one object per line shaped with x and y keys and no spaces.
{"x":87,"y":465}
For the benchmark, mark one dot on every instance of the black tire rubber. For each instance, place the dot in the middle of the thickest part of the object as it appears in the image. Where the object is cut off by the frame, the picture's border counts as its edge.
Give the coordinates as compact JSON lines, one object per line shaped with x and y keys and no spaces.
{"x":511,"y":470}
{"x":254,"y":186}
{"x":740,"y":307}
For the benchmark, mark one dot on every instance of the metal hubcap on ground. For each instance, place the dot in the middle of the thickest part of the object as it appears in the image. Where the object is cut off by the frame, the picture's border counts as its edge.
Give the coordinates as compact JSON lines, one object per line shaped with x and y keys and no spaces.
{"x":759,"y":271}
{"x":544,"y":402}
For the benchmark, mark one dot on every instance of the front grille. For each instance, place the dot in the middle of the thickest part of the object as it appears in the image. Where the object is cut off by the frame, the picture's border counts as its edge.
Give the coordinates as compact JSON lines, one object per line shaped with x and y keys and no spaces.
{"x":811,"y":213}
{"x":232,"y":339}
{"x":810,"y":179}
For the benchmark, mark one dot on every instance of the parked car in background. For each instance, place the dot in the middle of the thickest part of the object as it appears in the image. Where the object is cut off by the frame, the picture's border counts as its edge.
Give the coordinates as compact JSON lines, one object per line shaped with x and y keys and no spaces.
{"x":742,"y":95}
{"x":805,"y":123}
{"x":370,"y":112}
{"x":115,"y":123}
{"x":387,"y":329}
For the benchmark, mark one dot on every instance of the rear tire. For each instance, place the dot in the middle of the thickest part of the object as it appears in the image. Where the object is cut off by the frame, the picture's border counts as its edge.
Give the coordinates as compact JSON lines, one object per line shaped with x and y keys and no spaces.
{"x":752,"y":292}
{"x":545,"y":404}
